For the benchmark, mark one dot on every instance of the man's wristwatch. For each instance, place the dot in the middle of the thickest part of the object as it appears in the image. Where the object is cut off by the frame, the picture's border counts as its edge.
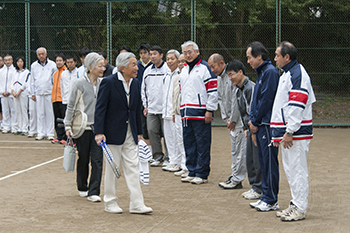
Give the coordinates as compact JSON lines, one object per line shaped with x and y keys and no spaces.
{"x":289,"y":134}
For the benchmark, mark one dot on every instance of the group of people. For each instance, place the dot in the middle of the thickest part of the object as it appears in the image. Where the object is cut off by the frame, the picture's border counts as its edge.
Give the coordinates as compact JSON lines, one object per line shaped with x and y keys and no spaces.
{"x":150,"y":99}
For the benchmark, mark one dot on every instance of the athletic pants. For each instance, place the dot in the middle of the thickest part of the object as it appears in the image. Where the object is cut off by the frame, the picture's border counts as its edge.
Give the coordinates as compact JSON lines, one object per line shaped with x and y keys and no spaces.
{"x":253,"y":164}
{"x":295,"y":166}
{"x":268,"y":157}
{"x":21,"y":105}
{"x":32,"y":117}
{"x":89,"y":150}
{"x":197,"y":142}
{"x":127,"y":155}
{"x":180,"y":149}
{"x":238,"y":155}
{"x":170,"y":136}
{"x":8,"y":114}
{"x":45,"y":116}
{"x":155,"y":133}
{"x":59,"y":111}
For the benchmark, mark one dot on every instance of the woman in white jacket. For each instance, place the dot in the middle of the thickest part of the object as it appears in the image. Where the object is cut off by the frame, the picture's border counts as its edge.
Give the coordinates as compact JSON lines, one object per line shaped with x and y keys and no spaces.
{"x":20,"y":94}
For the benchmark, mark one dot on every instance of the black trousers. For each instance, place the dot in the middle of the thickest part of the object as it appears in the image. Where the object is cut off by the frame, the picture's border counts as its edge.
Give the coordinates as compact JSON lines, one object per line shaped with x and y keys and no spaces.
{"x":59,"y":111}
{"x":89,"y":150}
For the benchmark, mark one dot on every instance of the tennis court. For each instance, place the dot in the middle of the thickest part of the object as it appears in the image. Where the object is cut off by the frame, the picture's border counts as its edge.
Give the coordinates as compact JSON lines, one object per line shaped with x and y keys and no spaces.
{"x":37,"y":195}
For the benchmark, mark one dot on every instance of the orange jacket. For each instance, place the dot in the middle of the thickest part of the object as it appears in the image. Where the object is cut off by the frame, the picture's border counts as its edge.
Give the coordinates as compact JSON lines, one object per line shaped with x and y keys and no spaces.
{"x":56,"y":86}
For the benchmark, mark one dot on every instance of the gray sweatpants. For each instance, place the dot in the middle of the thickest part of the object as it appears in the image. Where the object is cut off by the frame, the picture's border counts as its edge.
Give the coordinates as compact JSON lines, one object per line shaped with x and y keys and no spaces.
{"x":253,"y":165}
{"x":155,"y":129}
{"x":238,"y":154}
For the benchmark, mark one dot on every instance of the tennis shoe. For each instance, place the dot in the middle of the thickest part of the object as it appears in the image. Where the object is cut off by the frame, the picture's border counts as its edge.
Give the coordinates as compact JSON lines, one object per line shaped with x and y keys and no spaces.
{"x":50,"y":138}
{"x":55,"y":141}
{"x":172,"y":168}
{"x":94,"y":198}
{"x":113,"y":209}
{"x":62,"y":141}
{"x":180,"y":173}
{"x":263,"y":206}
{"x":230,"y":185}
{"x":255,"y":204}
{"x":155,"y":163}
{"x":253,"y":195}
{"x":198,"y":180}
{"x":5,"y":131}
{"x":83,"y":193}
{"x":293,"y":215}
{"x":39,"y":138}
{"x":165,"y":163}
{"x":187,"y":179}
{"x":141,"y":210}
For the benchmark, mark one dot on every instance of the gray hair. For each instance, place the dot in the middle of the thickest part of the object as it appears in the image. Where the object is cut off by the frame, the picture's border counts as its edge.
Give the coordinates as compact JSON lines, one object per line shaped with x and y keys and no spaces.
{"x":189,"y":43}
{"x":41,"y":48}
{"x":123,"y":60}
{"x":175,"y":52}
{"x":91,"y":59}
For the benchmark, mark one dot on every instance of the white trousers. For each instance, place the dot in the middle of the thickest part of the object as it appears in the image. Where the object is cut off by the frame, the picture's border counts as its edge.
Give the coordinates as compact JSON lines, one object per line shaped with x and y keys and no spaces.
{"x":32,"y":117}
{"x":8,"y":114}
{"x":127,"y":155}
{"x":45,"y":116}
{"x":171,"y":141}
{"x":21,"y":106}
{"x":238,"y":154}
{"x":179,"y":147}
{"x":295,"y":166}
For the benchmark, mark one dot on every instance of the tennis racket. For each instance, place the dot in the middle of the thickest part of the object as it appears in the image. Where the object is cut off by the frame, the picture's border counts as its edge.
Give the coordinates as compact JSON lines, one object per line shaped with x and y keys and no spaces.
{"x":110,"y":158}
{"x":79,"y":121}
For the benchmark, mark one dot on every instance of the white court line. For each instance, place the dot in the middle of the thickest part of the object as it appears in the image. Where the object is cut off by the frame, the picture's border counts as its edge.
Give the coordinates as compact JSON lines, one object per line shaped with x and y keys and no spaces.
{"x":39,"y":165}
{"x":30,"y":147}
{"x":44,"y":141}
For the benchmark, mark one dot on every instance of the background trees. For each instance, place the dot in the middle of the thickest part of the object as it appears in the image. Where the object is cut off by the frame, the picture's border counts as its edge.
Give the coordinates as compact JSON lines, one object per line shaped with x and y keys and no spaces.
{"x":319,"y":29}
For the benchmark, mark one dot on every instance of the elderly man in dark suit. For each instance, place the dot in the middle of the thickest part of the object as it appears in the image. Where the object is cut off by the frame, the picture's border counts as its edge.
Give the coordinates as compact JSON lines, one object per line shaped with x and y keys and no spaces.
{"x":118,"y":122}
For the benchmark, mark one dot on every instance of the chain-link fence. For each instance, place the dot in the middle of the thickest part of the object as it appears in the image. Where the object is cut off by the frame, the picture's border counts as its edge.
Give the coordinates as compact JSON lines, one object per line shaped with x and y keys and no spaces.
{"x":319,"y":29}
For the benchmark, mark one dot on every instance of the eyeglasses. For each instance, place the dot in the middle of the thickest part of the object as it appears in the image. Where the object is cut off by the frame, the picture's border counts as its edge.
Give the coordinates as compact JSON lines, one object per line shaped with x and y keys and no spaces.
{"x":231,"y":74}
{"x":189,"y":52}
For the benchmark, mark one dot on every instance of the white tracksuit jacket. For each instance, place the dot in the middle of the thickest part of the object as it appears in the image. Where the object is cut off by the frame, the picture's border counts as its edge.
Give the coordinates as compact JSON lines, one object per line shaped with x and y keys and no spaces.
{"x":41,"y":77}
{"x":152,"y":88}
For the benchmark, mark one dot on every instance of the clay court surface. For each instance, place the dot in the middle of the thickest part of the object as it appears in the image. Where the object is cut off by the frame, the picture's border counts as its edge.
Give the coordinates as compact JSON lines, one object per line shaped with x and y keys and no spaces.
{"x":44,"y":198}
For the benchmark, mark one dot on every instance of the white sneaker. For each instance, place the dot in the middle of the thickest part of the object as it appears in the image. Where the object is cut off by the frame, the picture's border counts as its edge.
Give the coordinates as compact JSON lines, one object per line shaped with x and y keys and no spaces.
{"x":285,"y":211}
{"x":247,"y":192}
{"x":172,"y":168}
{"x":255,"y":204}
{"x":294,"y":214}
{"x":179,"y":173}
{"x":39,"y":138}
{"x":198,"y":180}
{"x":165,"y":163}
{"x":253,"y":195}
{"x":94,"y":198}
{"x":31,"y":135}
{"x":5,"y":131}
{"x":114,"y":209}
{"x":185,"y":174}
{"x":50,"y":138}
{"x":83,"y":193}
{"x":141,"y":210}
{"x":263,"y":206}
{"x":155,"y":163}
{"x":187,"y":179}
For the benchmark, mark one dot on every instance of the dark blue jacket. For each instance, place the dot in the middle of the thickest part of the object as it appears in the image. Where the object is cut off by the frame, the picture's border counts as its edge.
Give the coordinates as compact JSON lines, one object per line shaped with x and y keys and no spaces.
{"x":141,"y":71}
{"x":264,"y":93}
{"x":112,"y":113}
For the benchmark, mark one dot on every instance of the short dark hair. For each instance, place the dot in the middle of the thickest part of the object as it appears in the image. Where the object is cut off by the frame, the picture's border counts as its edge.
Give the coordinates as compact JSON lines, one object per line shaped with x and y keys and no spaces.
{"x":71,"y":57}
{"x":24,"y":62}
{"x":259,"y":49}
{"x":60,"y":55}
{"x":288,"y":48}
{"x":156,"y":48}
{"x":103,"y":54}
{"x":143,"y":45}
{"x":124,"y":47}
{"x":236,"y":66}
{"x":84,"y":51}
